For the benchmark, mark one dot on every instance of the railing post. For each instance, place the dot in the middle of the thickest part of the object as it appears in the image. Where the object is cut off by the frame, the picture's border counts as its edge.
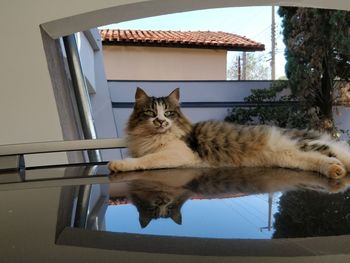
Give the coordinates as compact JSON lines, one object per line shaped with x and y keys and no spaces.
{"x":81,"y":93}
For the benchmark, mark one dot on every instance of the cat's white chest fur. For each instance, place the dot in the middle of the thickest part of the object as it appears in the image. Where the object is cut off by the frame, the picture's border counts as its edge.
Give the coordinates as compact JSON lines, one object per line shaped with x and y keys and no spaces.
{"x":140,"y":146}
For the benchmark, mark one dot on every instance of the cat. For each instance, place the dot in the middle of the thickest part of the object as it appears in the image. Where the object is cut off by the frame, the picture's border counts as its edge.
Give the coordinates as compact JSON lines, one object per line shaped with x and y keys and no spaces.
{"x":159,"y":135}
{"x":162,"y":193}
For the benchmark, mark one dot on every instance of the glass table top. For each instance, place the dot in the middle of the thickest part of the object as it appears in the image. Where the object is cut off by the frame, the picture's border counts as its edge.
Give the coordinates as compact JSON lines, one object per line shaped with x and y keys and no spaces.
{"x":252,"y":203}
{"x":177,"y":211}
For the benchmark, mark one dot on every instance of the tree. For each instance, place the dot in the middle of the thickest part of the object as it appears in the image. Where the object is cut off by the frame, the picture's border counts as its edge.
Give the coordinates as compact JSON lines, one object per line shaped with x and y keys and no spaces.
{"x":256,"y":69}
{"x":270,"y":106}
{"x":317,"y":53}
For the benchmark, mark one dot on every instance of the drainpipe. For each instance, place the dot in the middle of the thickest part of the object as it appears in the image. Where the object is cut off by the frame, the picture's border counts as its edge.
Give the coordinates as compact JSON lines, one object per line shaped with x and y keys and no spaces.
{"x":81,"y":94}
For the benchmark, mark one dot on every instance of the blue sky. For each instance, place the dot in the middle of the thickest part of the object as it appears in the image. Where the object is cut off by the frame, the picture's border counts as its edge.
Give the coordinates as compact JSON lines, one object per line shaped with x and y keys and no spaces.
{"x":252,"y":22}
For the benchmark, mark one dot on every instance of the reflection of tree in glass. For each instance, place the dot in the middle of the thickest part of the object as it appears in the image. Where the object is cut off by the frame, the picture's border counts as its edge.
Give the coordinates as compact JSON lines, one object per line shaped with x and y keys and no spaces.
{"x":310,"y":213}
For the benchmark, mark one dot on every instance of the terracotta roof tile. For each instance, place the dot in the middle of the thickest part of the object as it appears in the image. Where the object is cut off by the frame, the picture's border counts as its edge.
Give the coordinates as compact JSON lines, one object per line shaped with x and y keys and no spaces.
{"x":189,"y":39}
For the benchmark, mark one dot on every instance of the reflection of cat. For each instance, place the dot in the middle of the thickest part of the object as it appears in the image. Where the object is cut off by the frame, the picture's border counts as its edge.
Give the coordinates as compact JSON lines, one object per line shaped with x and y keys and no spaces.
{"x":161,"y":193}
{"x":157,"y":201}
{"x":160,"y":136}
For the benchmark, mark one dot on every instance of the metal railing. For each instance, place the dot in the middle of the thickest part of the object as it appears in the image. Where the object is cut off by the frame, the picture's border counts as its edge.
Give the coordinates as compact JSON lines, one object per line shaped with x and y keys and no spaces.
{"x":81,"y":93}
{"x":11,"y":155}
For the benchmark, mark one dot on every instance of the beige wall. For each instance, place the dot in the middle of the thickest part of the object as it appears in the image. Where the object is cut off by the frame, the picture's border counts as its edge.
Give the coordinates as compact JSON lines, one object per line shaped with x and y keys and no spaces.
{"x":160,"y":63}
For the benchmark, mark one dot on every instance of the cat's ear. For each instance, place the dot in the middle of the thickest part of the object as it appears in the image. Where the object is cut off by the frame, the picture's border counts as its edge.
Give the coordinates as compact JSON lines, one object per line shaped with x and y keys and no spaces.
{"x":176,"y":217}
{"x":144,"y":220}
{"x":175,"y":94}
{"x":140,"y":94}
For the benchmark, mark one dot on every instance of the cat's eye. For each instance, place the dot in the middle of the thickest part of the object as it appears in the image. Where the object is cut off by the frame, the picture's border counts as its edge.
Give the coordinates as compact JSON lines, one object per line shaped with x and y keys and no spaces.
{"x":169,"y":113}
{"x":149,"y":113}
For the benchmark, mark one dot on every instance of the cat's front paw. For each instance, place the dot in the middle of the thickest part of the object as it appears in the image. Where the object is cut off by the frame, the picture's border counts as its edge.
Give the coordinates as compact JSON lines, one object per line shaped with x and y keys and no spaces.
{"x":121,"y":165}
{"x":117,"y":166}
{"x":113,"y":166}
{"x":334,"y":169}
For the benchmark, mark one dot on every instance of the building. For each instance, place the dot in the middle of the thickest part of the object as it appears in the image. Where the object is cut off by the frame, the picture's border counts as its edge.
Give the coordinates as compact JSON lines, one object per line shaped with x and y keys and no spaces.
{"x":170,"y":55}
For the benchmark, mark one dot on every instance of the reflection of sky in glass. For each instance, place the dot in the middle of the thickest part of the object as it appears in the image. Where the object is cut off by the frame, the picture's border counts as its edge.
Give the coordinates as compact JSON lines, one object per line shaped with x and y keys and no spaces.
{"x":240,"y":217}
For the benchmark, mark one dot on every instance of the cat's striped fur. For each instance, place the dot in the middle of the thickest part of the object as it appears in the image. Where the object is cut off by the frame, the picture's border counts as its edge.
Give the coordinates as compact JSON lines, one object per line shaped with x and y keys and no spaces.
{"x":160,"y":136}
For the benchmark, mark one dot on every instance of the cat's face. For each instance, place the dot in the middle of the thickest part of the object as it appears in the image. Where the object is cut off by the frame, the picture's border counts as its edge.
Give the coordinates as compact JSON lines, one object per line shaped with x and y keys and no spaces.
{"x":154,"y":205}
{"x":156,"y":115}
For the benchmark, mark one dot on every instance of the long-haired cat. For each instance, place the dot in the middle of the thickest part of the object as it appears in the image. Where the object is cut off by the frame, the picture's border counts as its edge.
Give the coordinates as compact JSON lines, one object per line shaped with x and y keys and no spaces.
{"x":160,"y":136}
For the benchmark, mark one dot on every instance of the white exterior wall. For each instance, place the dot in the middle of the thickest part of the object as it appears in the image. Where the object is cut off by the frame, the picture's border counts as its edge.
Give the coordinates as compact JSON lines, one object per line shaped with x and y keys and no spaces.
{"x":161,"y":63}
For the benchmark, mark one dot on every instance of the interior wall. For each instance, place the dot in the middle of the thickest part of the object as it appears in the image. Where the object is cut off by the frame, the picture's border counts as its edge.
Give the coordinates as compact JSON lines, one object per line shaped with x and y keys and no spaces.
{"x":65,"y":101}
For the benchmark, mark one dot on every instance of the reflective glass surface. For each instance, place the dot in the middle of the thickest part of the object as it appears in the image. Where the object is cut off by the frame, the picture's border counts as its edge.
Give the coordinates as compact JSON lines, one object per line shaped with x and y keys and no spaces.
{"x":220,"y":212}
{"x":251,"y":203}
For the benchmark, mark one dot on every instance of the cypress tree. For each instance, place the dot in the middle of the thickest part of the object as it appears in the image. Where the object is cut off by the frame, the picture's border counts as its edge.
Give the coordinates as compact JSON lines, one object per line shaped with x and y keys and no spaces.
{"x":318,"y":56}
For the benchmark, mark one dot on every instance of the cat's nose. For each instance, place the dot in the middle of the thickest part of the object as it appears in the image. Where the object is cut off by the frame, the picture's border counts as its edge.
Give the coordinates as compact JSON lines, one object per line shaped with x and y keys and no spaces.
{"x":162,"y":122}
